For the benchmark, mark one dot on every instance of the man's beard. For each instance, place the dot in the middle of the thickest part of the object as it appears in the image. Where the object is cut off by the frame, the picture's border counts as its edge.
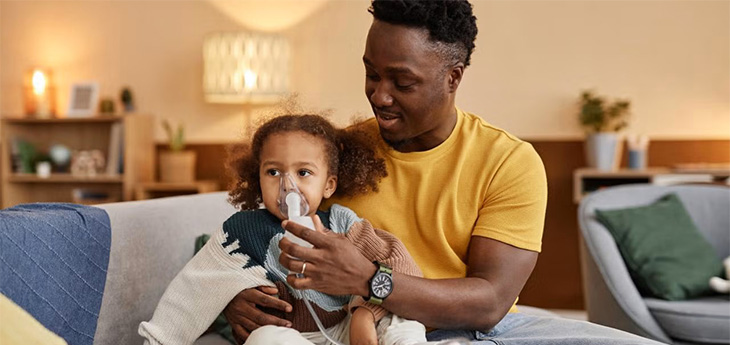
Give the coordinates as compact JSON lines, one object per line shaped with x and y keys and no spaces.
{"x":396,"y":144}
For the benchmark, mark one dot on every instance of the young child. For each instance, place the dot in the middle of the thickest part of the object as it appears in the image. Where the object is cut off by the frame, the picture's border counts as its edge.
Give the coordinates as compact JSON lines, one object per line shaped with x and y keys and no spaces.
{"x":244,"y":253}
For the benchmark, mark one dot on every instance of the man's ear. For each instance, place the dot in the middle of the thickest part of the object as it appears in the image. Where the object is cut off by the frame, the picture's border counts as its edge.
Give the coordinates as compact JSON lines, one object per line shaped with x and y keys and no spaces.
{"x":455,"y":74}
{"x":330,"y":186}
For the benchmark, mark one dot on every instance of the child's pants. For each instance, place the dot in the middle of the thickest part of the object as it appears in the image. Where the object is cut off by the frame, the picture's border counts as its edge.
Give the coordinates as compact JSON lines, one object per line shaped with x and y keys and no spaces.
{"x":391,"y":330}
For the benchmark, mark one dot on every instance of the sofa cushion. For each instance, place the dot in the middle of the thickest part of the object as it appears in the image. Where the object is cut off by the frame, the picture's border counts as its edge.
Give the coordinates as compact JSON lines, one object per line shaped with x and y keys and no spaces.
{"x":666,"y":255}
{"x":705,"y":320}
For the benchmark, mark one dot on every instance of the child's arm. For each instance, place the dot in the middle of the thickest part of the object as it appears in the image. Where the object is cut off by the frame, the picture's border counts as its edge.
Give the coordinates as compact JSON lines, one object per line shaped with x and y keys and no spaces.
{"x":199,"y":293}
{"x":362,"y":328}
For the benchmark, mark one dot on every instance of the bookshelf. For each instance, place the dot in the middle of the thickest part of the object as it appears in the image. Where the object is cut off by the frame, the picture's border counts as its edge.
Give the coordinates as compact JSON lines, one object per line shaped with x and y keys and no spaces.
{"x":138,"y":160}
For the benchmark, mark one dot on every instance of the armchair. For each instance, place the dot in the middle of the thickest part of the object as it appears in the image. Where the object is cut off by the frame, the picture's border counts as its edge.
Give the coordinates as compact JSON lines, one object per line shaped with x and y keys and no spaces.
{"x":613,"y":300}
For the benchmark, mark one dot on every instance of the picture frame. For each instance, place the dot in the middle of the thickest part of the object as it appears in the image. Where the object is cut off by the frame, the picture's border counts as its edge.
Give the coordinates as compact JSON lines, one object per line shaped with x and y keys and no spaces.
{"x":83,"y":99}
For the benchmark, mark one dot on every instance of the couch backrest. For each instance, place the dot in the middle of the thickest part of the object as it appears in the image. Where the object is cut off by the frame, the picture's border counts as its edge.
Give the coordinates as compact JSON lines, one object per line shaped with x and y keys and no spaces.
{"x":708,"y":205}
{"x":151,"y":241}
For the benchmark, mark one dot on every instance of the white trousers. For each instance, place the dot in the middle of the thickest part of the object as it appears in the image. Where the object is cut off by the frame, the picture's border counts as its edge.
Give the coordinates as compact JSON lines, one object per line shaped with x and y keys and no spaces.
{"x":391,"y":330}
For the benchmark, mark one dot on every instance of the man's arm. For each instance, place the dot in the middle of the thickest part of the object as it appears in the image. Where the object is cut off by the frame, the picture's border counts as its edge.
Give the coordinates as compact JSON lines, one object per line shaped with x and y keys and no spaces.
{"x":497,"y":272}
{"x":496,"y":275}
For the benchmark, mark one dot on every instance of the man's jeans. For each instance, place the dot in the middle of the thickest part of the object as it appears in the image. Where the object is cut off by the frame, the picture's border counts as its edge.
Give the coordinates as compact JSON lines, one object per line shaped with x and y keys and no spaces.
{"x":519,"y":328}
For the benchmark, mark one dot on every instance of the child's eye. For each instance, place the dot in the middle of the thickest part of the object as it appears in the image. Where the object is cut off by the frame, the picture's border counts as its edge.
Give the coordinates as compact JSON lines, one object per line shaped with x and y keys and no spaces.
{"x":304,"y":173}
{"x":272,"y":172}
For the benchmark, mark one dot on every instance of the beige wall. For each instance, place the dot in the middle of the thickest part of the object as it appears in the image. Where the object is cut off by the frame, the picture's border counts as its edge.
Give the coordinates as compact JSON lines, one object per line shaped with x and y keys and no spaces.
{"x":671,"y":58}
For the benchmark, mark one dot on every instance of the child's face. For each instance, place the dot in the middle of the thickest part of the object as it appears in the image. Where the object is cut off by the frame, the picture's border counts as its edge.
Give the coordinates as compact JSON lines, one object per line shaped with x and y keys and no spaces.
{"x":301,"y":155}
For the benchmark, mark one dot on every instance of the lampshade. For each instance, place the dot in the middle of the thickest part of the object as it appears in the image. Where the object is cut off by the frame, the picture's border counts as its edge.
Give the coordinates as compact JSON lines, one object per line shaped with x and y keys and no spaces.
{"x":245,"y":67}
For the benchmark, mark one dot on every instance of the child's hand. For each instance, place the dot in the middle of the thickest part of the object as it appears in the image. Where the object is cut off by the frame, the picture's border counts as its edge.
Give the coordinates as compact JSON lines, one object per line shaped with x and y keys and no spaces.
{"x":362,"y":328}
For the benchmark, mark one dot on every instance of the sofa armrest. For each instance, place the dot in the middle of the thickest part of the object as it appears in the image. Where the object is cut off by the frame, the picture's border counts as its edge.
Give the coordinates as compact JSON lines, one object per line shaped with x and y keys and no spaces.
{"x":611,"y":296}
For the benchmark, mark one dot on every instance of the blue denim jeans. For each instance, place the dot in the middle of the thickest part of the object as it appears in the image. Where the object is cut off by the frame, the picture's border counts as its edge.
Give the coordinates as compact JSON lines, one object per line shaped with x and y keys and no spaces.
{"x":519,"y":328}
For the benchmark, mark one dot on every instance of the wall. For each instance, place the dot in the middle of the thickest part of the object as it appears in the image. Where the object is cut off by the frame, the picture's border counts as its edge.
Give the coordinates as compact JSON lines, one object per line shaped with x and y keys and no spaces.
{"x":155,"y":47}
{"x":532,"y":59}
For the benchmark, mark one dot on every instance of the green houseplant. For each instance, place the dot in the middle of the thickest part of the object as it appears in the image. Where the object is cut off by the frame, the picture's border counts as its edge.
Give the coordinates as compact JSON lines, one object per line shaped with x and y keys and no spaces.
{"x":177,"y":165}
{"x":602,"y":120}
{"x":598,"y":115}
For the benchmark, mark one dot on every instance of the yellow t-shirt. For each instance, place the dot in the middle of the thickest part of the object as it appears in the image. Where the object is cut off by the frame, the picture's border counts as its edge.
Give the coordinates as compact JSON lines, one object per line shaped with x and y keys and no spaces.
{"x":481,"y":181}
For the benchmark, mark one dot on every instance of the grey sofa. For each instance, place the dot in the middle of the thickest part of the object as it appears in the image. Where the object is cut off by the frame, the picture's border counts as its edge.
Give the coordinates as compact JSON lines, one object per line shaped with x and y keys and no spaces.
{"x":151,"y":241}
{"x":611,"y":297}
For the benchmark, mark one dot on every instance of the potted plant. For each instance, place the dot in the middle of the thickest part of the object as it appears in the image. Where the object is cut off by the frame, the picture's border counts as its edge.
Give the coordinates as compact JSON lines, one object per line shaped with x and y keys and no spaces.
{"x":127,"y":100}
{"x":602,"y":121}
{"x":176,"y":164}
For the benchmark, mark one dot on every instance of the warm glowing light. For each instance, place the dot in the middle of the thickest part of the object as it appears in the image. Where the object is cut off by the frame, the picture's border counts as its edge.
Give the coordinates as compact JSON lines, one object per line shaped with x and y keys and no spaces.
{"x":249,"y":79}
{"x":39,"y":93}
{"x":39,"y":82}
{"x":268,"y":15}
{"x":245,"y":67}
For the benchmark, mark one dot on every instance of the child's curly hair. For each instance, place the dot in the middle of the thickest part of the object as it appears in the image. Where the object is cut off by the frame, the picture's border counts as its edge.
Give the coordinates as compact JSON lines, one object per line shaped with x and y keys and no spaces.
{"x":351,"y":157}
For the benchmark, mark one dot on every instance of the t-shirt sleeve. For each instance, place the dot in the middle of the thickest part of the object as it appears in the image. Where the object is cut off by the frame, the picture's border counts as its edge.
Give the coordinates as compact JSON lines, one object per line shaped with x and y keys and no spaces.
{"x":513,"y":210}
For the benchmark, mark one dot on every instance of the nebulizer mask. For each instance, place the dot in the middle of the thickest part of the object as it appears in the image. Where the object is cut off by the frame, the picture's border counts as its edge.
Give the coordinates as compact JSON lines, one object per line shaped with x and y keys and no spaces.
{"x":294,"y":206}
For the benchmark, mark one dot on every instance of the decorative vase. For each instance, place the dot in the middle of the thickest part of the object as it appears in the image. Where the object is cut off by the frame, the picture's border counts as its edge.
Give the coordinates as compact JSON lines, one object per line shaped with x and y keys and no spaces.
{"x":603,"y":150}
{"x":177,"y":166}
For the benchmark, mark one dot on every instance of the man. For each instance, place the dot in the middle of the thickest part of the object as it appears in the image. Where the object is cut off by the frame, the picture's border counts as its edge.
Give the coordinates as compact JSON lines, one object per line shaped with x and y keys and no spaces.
{"x":467,"y":199}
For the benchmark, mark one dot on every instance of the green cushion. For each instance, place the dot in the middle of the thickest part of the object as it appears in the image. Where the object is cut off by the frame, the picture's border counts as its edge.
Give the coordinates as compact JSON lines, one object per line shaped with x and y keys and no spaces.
{"x":666,"y":255}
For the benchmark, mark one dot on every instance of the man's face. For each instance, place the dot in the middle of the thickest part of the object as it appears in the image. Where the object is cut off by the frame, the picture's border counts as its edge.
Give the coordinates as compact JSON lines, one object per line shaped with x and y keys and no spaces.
{"x":302,"y":156}
{"x":407,"y":84}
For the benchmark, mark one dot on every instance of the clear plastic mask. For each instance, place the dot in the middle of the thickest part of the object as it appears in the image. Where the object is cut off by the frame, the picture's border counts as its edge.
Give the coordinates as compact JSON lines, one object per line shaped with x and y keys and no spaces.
{"x":292,"y":203}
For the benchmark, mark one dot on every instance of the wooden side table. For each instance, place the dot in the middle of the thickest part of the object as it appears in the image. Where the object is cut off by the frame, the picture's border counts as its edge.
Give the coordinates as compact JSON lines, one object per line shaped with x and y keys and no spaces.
{"x":587,"y":180}
{"x":149,"y":190}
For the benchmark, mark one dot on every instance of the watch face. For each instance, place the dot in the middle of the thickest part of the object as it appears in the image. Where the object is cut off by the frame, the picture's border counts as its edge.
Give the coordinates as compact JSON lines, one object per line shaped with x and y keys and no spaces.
{"x":382,"y":285}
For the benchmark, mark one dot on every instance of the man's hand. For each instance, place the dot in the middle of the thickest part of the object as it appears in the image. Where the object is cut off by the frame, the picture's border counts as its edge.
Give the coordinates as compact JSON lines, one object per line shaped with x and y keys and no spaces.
{"x":334,"y":265}
{"x":244,"y":317}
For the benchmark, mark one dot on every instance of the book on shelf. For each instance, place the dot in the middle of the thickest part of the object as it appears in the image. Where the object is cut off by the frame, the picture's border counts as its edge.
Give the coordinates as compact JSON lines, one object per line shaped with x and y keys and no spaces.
{"x":116,"y":147}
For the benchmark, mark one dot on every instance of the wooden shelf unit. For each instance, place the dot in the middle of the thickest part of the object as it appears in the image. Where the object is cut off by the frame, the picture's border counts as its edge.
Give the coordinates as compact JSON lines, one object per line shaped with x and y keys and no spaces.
{"x":65,"y":178}
{"x":77,"y":134}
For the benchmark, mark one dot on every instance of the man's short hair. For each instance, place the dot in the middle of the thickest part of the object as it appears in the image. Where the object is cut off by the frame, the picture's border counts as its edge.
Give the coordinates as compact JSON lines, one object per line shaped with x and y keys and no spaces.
{"x":450,"y":22}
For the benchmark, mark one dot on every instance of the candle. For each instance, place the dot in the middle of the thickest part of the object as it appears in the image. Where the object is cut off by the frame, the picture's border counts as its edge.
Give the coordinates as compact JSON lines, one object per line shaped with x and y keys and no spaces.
{"x":39,"y":94}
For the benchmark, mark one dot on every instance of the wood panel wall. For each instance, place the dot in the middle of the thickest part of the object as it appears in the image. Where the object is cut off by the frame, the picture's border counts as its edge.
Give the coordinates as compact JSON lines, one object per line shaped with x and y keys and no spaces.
{"x":556,"y":281}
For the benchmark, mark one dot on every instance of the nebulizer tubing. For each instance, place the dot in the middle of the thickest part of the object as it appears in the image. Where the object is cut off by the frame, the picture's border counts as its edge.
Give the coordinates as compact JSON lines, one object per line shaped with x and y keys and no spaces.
{"x":294,"y":206}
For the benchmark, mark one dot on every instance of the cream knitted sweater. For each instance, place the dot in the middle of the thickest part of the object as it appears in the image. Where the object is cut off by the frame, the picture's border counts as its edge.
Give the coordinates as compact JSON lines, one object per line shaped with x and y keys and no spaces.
{"x":243,"y":254}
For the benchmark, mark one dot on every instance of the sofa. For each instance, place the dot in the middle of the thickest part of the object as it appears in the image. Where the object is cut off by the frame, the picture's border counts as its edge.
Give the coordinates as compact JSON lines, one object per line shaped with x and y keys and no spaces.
{"x":150,"y":242}
{"x":611,"y":297}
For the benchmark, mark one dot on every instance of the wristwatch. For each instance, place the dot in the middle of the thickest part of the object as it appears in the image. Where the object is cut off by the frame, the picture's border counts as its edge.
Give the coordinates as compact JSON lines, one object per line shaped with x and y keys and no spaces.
{"x":381,"y":284}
